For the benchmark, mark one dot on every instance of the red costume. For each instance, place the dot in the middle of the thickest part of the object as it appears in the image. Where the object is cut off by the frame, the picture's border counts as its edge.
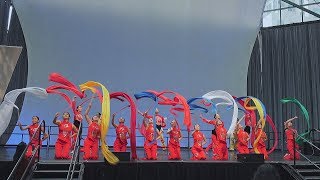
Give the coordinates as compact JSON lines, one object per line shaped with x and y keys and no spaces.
{"x":197,"y":149}
{"x":290,"y":136}
{"x":91,"y":143}
{"x":34,"y":139}
{"x":220,"y":147}
{"x":242,"y":142}
{"x":261,"y":146}
{"x":247,"y":120}
{"x":160,"y":121}
{"x":174,"y":144}
{"x":63,"y":143}
{"x":150,"y":144}
{"x":213,"y":143}
{"x":120,"y":144}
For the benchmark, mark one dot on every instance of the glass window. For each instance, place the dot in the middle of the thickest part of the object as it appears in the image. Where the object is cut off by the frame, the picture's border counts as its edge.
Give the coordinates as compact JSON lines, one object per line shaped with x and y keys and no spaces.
{"x":310,"y":1}
{"x":291,"y":15}
{"x":308,"y":17}
{"x":272,"y":4}
{"x":271,"y":18}
{"x":284,"y":4}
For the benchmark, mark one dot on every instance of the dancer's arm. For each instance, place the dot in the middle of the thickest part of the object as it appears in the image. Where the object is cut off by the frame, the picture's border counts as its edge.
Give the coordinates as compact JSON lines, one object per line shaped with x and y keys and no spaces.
{"x":112,"y":121}
{"x":86,"y":114}
{"x":22,"y":128}
{"x":55,"y":121}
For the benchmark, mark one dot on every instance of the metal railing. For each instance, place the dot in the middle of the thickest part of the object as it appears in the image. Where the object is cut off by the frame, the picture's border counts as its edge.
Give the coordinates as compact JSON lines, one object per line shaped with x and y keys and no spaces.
{"x":294,"y":154}
{"x":13,"y":174}
{"x":52,"y":133}
{"x":75,"y":155}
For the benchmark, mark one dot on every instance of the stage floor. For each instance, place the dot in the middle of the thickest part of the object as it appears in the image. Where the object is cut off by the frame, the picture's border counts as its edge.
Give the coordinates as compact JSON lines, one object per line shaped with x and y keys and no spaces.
{"x":47,"y":154}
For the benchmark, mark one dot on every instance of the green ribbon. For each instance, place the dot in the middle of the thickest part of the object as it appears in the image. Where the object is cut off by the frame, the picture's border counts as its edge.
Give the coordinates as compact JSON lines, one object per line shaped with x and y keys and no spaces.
{"x":304,"y":111}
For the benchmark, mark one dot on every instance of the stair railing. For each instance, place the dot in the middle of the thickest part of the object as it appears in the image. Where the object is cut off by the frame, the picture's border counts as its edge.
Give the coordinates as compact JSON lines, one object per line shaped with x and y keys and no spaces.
{"x":305,"y":140}
{"x":75,"y":155}
{"x":14,"y":173}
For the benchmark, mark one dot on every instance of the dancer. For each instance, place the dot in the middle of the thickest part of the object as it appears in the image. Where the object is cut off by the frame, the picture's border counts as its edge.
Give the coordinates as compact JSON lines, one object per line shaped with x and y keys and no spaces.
{"x":198,"y":141}
{"x":150,"y":143}
{"x":160,"y":124}
{"x":63,"y":143}
{"x":233,"y":137}
{"x":77,"y":119}
{"x":261,"y":146}
{"x":33,"y":135}
{"x":220,"y":147}
{"x":174,"y":142}
{"x":242,"y":140}
{"x":91,"y":143}
{"x":123,"y":133}
{"x":291,"y":135}
{"x":247,"y":122}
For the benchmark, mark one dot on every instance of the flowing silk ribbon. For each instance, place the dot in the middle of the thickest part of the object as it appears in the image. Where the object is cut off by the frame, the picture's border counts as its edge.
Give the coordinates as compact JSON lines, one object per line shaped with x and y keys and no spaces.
{"x":228,"y":100}
{"x":8,"y":104}
{"x":305,"y":113}
{"x":105,"y":118}
{"x":132,"y":105}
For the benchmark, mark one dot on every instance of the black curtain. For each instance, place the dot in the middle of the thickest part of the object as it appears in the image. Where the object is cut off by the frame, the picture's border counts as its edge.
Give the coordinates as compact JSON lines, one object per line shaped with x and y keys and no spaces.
{"x":14,"y":37}
{"x":290,"y":68}
{"x":4,"y":12}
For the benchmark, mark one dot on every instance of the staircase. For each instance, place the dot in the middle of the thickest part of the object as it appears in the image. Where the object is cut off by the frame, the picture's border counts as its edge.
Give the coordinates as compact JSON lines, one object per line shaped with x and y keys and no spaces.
{"x":56,"y":170}
{"x":308,"y":171}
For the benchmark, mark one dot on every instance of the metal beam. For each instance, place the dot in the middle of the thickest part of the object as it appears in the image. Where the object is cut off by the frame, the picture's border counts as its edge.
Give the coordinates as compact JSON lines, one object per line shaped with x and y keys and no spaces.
{"x":302,"y":8}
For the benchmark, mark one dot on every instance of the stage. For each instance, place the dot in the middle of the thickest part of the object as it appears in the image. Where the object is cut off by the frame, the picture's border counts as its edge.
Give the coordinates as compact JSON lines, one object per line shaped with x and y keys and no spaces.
{"x":163,"y":168}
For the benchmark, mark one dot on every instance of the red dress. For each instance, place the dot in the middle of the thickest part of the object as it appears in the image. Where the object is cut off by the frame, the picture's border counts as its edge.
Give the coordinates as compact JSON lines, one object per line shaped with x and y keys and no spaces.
{"x":120,"y":144}
{"x":63,"y":143}
{"x":174,"y":144}
{"x":34,"y":139}
{"x":197,"y":149}
{"x":290,"y":138}
{"x":91,"y":143}
{"x":261,"y":146}
{"x":242,"y":142}
{"x":150,"y":144}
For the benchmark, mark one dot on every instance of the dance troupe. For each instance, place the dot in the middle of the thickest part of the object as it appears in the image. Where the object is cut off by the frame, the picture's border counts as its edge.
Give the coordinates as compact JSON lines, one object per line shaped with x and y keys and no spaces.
{"x":242,"y":137}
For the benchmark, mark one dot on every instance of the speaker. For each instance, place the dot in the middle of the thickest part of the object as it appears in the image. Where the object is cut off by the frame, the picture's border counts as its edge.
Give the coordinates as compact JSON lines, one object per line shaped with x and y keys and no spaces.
{"x":250,"y":158}
{"x":122,"y":156}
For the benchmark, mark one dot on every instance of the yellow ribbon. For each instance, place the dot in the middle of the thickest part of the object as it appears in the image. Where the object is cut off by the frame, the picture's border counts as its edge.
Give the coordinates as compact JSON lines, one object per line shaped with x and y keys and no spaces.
{"x":258,"y":107}
{"x":105,"y":119}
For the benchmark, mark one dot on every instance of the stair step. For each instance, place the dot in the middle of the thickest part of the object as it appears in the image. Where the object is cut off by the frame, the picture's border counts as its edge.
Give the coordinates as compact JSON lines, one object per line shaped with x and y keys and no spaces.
{"x":306,"y":166}
{"x":52,"y":174}
{"x":51,"y":178}
{"x":309,"y":172}
{"x":55,"y":166}
{"x":312,"y":177}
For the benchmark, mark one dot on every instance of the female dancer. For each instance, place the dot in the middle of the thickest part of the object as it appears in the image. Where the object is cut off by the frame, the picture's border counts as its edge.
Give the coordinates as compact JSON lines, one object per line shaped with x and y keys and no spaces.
{"x":33,"y":135}
{"x":291,"y":135}
{"x":198,"y":141}
{"x":63,"y":143}
{"x":91,"y":143}
{"x":174,"y":142}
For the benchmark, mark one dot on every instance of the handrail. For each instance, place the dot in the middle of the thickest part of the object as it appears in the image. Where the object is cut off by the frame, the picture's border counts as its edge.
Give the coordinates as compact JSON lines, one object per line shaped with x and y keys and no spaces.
{"x":292,"y":171}
{"x":305,"y":140}
{"x":188,"y":144}
{"x":32,"y":160}
{"x":75,"y":155}
{"x":80,"y":177}
{"x":13,"y":172}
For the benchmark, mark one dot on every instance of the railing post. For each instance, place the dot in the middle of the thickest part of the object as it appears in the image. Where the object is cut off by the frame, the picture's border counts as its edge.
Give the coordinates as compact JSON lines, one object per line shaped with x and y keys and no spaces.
{"x":188,"y":139}
{"x":294,"y":150}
